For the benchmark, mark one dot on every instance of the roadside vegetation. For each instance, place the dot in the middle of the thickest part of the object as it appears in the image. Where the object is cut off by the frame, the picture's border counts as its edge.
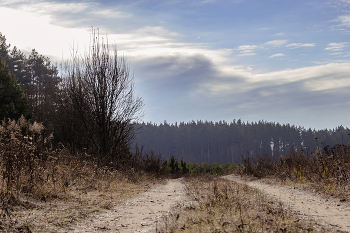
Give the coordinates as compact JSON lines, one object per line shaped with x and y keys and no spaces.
{"x":45,"y":189}
{"x":326,"y":170}
{"x":219,"y":205}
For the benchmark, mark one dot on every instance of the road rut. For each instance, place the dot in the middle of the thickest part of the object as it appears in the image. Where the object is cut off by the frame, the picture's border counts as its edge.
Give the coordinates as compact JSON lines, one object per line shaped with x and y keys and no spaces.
{"x":139,"y":214}
{"x":325,"y":210}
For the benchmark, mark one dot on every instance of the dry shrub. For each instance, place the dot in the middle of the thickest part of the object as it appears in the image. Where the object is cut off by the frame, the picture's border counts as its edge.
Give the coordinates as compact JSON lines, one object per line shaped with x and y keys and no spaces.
{"x":220,"y":205}
{"x":148,"y":162}
{"x":22,"y":153}
{"x":32,"y":173}
{"x":327,"y":168}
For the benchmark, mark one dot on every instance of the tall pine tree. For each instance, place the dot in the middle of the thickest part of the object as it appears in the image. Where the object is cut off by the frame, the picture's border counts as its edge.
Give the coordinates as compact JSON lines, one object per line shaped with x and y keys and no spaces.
{"x":13,"y":102}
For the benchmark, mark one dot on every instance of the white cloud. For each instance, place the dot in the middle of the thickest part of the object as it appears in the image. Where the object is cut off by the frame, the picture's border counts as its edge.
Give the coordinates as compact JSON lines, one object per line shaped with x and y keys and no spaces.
{"x":111,"y":14}
{"x":276,"y":43}
{"x":45,"y":8}
{"x":68,"y":14}
{"x":277,"y":55}
{"x":247,"y":48}
{"x":344,"y":20}
{"x":250,"y":50}
{"x":246,"y":54}
{"x":299,"y":45}
{"x":34,"y":31}
{"x":315,"y":78}
{"x":337,"y":46}
{"x":158,"y":31}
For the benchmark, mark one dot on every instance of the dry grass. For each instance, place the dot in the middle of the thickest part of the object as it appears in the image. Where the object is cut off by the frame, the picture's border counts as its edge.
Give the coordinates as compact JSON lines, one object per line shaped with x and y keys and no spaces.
{"x":220,"y":205}
{"x":77,"y":203}
{"x":45,"y":190}
{"x":325,"y":171}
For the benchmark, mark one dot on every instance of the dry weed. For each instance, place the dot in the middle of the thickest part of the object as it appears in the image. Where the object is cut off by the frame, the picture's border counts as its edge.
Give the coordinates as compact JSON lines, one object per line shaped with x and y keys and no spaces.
{"x":225,"y":206}
{"x":45,"y":190}
{"x":325,"y":170}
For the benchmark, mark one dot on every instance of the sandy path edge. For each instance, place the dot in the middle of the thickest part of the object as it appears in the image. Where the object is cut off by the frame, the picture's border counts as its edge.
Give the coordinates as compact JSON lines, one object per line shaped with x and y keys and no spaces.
{"x":139,"y":214}
{"x":327,"y":211}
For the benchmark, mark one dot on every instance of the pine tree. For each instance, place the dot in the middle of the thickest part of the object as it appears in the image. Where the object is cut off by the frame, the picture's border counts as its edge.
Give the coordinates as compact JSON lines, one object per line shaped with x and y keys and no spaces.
{"x":4,"y":48}
{"x":184,"y":167}
{"x":13,"y":102}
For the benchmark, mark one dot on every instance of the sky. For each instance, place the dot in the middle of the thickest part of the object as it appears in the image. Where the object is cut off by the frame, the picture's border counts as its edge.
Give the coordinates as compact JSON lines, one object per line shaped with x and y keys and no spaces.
{"x":285,"y":61}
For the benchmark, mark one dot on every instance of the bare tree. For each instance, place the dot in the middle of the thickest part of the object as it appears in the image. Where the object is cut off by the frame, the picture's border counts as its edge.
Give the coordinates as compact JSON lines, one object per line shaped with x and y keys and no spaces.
{"x":98,"y":106}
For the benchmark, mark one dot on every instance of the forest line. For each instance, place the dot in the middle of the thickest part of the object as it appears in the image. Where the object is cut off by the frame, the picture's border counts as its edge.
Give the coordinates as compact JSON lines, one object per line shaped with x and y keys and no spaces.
{"x":229,"y":142}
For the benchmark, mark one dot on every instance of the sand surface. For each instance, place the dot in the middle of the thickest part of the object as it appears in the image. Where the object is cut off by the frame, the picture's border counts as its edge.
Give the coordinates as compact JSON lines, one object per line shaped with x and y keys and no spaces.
{"x":139,"y":214}
{"x":142,"y":213}
{"x":324,"y":210}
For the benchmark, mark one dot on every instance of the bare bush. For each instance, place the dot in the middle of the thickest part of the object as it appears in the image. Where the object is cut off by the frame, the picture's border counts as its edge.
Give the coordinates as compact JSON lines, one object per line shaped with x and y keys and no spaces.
{"x":149,"y":162}
{"x":99,"y":109}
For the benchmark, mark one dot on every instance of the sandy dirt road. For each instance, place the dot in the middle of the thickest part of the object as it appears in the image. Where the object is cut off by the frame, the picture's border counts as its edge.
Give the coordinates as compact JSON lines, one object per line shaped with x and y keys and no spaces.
{"x":324,"y":210}
{"x":142,"y":213}
{"x":139,"y":214}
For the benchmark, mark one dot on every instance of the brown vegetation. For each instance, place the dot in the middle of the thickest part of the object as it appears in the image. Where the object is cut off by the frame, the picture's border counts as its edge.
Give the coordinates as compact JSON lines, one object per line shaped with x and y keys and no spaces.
{"x":325,"y":170}
{"x":221,"y":205}
{"x":44,"y":189}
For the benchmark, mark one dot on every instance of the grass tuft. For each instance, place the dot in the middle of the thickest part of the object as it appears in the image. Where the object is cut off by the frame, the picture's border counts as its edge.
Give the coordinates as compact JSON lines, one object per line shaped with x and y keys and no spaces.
{"x":219,"y":205}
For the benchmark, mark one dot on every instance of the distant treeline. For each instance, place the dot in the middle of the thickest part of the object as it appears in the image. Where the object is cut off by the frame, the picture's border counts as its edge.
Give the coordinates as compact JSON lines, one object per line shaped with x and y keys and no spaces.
{"x":207,"y":141}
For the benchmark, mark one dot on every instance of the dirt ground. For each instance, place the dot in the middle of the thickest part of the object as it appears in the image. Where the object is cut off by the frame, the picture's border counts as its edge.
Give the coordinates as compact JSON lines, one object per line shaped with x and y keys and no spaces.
{"x":139,"y":214}
{"x":142,"y":213}
{"x":325,"y":210}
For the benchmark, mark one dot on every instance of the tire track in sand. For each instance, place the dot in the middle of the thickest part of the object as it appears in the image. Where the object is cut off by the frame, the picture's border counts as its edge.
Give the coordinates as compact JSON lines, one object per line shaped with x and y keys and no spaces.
{"x":139,"y":214}
{"x":327,"y":211}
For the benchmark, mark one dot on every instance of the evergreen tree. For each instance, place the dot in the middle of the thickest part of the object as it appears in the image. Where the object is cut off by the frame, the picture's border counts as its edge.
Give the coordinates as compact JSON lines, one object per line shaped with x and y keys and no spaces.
{"x":184,"y":167}
{"x":174,"y":165}
{"x":230,"y":142}
{"x":40,"y":82}
{"x":13,"y":102}
{"x":4,"y":48}
{"x":38,"y":78}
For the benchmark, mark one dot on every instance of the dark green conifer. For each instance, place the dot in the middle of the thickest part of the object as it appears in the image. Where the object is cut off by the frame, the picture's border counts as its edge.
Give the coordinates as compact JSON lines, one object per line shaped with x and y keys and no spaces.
{"x":184,"y":167}
{"x":13,"y":102}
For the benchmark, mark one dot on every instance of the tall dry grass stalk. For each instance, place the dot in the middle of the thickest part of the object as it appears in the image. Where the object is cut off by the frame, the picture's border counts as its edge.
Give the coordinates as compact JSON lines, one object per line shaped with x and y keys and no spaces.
{"x":22,"y":152}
